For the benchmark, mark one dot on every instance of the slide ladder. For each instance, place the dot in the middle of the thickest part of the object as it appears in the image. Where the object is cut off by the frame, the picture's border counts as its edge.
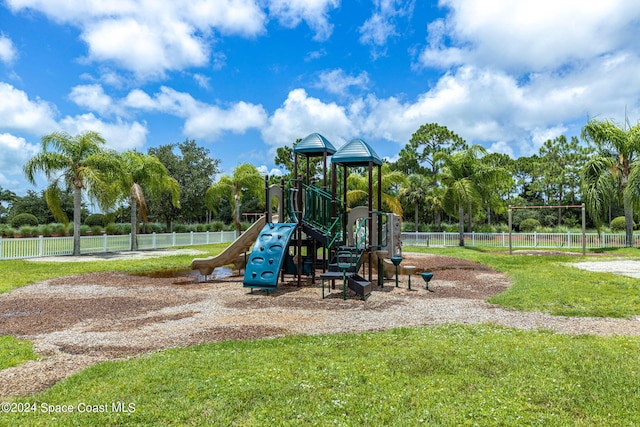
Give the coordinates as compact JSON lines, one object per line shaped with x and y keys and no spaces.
{"x":267,"y":256}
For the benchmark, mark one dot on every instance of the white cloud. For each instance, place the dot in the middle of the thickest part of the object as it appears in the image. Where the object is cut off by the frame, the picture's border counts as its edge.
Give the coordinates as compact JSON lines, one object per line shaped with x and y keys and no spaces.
{"x":119,"y":135}
{"x":314,"y":12}
{"x":381,"y":26}
{"x":92,"y":97}
{"x":201,"y":120}
{"x":19,"y":113}
{"x":8,"y":52}
{"x":376,"y":30}
{"x":210,"y":122}
{"x":501,"y":147}
{"x":301,"y":115}
{"x":264,"y":170}
{"x":142,"y":48}
{"x":338,"y":82}
{"x":529,"y":35}
{"x":15,"y":152}
{"x":202,"y":80}
{"x":152,"y":37}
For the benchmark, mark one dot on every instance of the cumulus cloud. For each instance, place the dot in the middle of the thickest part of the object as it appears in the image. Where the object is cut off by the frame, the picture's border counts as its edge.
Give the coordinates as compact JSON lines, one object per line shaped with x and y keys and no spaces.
{"x":19,"y":113}
{"x":202,"y":120}
{"x":93,"y":98}
{"x":553,"y":34}
{"x":301,"y":115}
{"x":149,"y":38}
{"x":15,"y":152}
{"x":338,"y":82}
{"x":119,"y":135}
{"x":8,"y":52}
{"x":314,"y":12}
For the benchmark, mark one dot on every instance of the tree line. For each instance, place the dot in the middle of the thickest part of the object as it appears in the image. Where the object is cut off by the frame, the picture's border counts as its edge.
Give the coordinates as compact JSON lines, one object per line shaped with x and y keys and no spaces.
{"x":437,"y":176}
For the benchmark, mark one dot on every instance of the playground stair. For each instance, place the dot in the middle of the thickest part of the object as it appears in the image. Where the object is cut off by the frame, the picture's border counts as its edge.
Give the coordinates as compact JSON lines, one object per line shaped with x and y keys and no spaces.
{"x":345,"y":265}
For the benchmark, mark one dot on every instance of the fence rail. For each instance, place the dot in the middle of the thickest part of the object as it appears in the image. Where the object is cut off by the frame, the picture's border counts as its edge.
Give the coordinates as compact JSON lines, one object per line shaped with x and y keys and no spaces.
{"x":519,"y":240}
{"x":57,"y":246}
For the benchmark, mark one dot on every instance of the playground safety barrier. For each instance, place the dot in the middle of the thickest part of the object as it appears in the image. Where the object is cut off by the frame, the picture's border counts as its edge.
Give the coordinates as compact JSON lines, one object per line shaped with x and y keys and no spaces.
{"x":566,"y":240}
{"x":35,"y":247}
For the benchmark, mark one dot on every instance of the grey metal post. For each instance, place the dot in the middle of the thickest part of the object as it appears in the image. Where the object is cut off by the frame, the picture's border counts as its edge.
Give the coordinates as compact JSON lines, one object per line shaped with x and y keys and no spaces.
{"x":510,"y":222}
{"x":584,"y":231}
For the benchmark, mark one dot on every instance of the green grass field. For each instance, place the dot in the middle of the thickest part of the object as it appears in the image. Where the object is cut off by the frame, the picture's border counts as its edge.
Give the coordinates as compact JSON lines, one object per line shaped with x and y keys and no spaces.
{"x":442,"y":375}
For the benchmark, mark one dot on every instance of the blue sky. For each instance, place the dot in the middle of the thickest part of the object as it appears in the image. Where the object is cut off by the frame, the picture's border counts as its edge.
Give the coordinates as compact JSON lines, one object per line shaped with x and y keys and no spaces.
{"x":243,"y":77}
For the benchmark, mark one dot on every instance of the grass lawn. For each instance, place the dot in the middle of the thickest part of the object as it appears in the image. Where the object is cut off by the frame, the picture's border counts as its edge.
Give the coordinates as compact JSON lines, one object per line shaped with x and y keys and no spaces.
{"x":16,"y":273}
{"x":442,"y":375}
{"x":14,"y":352}
{"x":549,"y":284}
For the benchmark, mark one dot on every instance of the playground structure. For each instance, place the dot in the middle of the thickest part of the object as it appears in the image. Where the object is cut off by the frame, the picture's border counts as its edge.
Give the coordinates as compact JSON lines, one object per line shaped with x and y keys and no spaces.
{"x":313,"y":219}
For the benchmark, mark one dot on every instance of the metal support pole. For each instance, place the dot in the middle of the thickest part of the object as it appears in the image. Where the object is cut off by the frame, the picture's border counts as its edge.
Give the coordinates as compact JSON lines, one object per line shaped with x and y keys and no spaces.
{"x":267,"y":200}
{"x":510,"y":223}
{"x":584,"y":231}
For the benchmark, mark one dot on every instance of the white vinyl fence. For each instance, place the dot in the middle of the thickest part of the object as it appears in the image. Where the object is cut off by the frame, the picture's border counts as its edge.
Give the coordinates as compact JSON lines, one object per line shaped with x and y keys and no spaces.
{"x":519,"y":240}
{"x":55,"y":246}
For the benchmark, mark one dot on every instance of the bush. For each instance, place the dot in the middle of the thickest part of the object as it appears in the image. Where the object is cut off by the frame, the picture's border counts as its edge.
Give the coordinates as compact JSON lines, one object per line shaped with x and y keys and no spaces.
{"x":45,"y":230}
{"x":619,"y":224}
{"x":528,"y":225}
{"x":6,"y":231}
{"x":58,"y":229}
{"x":23,"y":219}
{"x":216,"y":226}
{"x":502,"y":228}
{"x":180,"y":228}
{"x":96,"y":230}
{"x":28,"y":231}
{"x":95,"y":219}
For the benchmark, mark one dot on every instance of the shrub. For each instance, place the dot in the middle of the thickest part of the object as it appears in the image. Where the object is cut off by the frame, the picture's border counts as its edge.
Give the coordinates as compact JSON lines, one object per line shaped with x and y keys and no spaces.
{"x":111,"y":229}
{"x":28,"y":231}
{"x":180,"y":228}
{"x":84,"y":230}
{"x":95,"y":219}
{"x":59,"y":229}
{"x":619,"y":224}
{"x":216,"y":226}
{"x":155,"y":228}
{"x":96,"y":230}
{"x":45,"y":230}
{"x":502,"y":228}
{"x":24,"y":219}
{"x":528,"y":225}
{"x":6,"y":230}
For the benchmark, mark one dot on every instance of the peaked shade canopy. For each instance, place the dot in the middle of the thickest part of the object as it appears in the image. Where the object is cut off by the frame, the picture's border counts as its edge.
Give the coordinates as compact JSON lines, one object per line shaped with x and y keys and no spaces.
{"x":356,"y":153}
{"x":314,"y":144}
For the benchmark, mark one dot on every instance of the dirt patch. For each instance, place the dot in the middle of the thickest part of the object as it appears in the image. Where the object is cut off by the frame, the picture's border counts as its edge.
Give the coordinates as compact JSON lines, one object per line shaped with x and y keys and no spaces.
{"x":78,"y":321}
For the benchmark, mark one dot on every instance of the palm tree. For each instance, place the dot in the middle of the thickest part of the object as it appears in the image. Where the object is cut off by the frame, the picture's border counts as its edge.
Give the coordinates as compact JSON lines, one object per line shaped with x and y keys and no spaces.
{"x":143,"y":173}
{"x":79,"y":162}
{"x":468,"y":181}
{"x":245,"y":180}
{"x":610,"y":175}
{"x":416,"y":192}
{"x":390,"y":181}
{"x":6,"y":196}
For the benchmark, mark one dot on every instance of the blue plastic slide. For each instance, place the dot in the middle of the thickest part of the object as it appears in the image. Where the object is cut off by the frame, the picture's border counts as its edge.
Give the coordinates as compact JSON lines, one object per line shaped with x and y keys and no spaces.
{"x":267,"y":256}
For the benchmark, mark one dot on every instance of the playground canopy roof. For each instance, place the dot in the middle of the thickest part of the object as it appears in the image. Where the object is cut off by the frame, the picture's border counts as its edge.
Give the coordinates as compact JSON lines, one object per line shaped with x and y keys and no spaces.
{"x":314,"y":144}
{"x":356,"y":153}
